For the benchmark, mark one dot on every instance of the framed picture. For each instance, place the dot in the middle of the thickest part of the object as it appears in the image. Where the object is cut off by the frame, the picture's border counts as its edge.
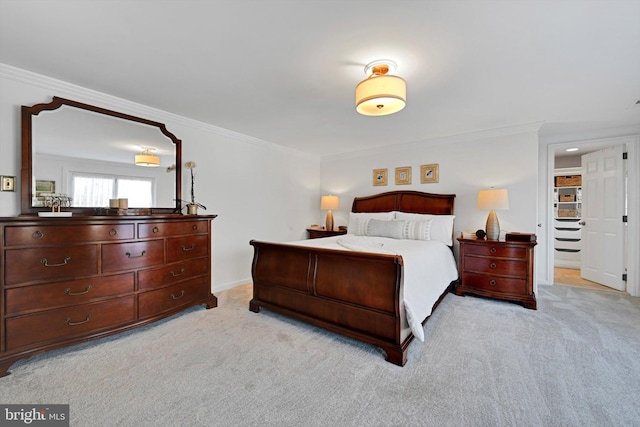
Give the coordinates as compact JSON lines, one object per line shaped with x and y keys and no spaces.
{"x":45,"y":187}
{"x":379,"y":177}
{"x":429,"y":174}
{"x":403,"y":175}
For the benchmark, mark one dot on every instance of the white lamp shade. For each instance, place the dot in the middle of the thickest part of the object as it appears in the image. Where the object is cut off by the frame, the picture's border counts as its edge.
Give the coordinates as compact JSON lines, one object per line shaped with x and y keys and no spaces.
{"x":329,"y":202}
{"x":490,"y":200}
{"x":381,"y":95}
{"x":147,"y":159}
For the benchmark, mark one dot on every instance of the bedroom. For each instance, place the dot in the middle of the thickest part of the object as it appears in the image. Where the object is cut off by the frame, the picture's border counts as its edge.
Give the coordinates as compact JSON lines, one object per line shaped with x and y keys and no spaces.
{"x":284,"y":184}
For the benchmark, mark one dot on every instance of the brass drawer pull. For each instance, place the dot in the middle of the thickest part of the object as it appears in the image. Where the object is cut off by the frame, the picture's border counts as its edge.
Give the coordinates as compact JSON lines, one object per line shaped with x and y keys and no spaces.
{"x":192,"y":247}
{"x":493,"y":250}
{"x":177,"y":274}
{"x":195,"y":227}
{"x":70,"y":323}
{"x":492,"y":282}
{"x":155,"y":229}
{"x":128,"y":254}
{"x":112,"y":232}
{"x":68,"y":291}
{"x":179,"y":296}
{"x":37,"y":234}
{"x":493,"y":265}
{"x":46,"y":264}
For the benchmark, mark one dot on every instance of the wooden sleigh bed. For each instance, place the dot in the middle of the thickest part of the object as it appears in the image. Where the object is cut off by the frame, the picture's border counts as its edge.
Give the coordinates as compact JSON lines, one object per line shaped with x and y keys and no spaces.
{"x":357,"y":294}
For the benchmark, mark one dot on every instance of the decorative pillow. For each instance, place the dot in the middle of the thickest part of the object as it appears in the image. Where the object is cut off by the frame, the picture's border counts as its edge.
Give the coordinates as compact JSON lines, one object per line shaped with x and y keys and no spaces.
{"x":385,"y":228}
{"x":417,"y":230}
{"x":441,"y":226}
{"x":354,"y":217}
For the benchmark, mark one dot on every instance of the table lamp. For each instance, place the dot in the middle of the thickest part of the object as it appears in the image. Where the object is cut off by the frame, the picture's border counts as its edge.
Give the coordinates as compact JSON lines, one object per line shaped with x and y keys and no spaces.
{"x":493,"y":200}
{"x":327,"y":204}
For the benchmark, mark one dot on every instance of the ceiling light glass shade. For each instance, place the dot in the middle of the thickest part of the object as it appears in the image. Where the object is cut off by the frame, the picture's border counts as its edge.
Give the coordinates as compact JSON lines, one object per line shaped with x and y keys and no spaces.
{"x":147,"y":159}
{"x":381,"y":95}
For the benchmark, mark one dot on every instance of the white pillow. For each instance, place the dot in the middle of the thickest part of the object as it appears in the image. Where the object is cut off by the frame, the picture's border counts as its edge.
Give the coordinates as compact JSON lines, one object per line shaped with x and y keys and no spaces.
{"x":384,"y":228}
{"x":354,"y":217}
{"x":417,"y":230}
{"x":441,"y":225}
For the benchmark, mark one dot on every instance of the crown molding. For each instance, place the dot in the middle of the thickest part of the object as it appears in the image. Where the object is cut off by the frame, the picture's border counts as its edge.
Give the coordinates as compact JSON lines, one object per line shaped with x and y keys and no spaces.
{"x":89,"y":96}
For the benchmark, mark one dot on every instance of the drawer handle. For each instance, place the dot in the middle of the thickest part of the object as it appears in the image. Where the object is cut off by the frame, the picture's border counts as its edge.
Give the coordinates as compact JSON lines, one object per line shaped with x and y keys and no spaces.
{"x":70,"y":323}
{"x":86,"y":291}
{"x":128,"y":254}
{"x":112,"y":232}
{"x":46,"y":263}
{"x":177,"y":274}
{"x":492,"y":282}
{"x":37,"y":234}
{"x":179,"y":296}
{"x":192,"y":247}
{"x":195,"y":227}
{"x":155,"y":229}
{"x":493,"y":265}
{"x":493,"y":250}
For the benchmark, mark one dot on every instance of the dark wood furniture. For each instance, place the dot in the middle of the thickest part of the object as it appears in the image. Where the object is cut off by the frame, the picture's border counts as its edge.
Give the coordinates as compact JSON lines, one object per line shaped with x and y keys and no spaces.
{"x":356,"y":294}
{"x":497,"y":269}
{"x":316,"y":233}
{"x":70,"y":280}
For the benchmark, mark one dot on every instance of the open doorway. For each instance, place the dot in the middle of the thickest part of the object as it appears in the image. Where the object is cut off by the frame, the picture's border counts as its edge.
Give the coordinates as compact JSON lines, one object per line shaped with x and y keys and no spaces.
{"x":585,"y":203}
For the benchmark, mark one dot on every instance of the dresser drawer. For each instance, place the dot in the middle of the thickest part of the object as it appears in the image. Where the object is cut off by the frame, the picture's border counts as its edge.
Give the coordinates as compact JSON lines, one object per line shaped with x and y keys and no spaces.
{"x":47,"y":264}
{"x":163,"y":229}
{"x":128,"y":256}
{"x":567,"y":243}
{"x":40,"y":235}
{"x":156,"y":302}
{"x":68,"y":322}
{"x":72,"y":292}
{"x":187,"y":247}
{"x":496,"y":250}
{"x":501,"y":266}
{"x":493,"y":284}
{"x":150,"y":279}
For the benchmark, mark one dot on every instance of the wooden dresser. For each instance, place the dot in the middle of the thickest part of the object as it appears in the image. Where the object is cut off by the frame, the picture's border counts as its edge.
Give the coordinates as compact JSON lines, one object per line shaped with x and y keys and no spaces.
{"x":497,"y":269}
{"x":69,"y":280}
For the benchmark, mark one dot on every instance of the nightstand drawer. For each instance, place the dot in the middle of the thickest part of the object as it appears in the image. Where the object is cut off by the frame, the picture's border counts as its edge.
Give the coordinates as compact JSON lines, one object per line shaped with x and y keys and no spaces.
{"x":504,"y":285}
{"x":503,"y":267}
{"x":496,"y":250}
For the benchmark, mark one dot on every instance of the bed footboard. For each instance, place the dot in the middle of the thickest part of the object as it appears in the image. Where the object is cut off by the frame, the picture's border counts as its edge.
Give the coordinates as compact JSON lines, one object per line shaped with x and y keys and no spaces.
{"x":356,"y":294}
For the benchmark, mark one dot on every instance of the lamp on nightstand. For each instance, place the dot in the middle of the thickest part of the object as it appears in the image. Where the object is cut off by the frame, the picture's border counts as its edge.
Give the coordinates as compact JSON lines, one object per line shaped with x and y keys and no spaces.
{"x":493,"y":200}
{"x":327,"y":204}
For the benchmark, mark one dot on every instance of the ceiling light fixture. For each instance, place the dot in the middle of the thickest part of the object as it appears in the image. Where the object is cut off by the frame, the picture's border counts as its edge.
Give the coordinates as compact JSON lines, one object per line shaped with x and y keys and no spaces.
{"x":146,"y":158}
{"x":572,"y":149}
{"x":380,"y":93}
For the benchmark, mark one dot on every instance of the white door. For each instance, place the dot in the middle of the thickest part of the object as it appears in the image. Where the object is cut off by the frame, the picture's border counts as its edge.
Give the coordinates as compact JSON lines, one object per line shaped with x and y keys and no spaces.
{"x":602,"y":209}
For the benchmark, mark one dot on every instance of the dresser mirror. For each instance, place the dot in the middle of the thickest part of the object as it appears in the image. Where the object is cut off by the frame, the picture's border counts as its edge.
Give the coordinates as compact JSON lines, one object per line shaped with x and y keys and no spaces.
{"x":95,"y":155}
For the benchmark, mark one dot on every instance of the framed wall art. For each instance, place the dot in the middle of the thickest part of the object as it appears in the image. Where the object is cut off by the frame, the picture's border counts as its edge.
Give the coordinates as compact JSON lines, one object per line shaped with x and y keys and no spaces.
{"x":403,"y":175}
{"x":429,"y":174}
{"x":45,"y":187}
{"x":379,"y":177}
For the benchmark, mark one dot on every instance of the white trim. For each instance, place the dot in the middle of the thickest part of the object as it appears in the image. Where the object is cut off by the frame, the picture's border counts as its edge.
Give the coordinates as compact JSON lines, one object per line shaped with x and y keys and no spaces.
{"x":230,"y":285}
{"x":89,"y":96}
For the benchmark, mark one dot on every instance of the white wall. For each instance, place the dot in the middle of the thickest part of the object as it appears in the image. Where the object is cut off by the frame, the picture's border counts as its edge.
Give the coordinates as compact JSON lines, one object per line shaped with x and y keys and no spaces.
{"x":505,"y":158}
{"x":257,"y":189}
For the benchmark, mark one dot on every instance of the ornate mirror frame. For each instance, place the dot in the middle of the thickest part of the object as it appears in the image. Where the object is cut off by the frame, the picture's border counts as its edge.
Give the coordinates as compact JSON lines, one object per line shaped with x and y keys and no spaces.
{"x":27,"y":154}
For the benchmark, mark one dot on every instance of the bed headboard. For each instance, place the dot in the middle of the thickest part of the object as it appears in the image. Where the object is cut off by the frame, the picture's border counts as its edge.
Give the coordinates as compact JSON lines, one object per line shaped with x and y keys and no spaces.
{"x":406,"y":201}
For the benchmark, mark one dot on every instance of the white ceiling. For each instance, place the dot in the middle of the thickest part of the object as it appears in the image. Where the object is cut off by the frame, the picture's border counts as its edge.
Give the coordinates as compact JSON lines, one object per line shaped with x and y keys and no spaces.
{"x":285,"y":71}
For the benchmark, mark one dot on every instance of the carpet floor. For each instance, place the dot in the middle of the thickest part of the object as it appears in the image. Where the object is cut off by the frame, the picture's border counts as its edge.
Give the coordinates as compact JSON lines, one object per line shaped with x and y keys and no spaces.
{"x":573,"y":362}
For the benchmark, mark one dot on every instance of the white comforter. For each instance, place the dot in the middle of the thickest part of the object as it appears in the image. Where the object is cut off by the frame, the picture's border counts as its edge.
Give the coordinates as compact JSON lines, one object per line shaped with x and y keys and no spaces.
{"x":429,"y":267}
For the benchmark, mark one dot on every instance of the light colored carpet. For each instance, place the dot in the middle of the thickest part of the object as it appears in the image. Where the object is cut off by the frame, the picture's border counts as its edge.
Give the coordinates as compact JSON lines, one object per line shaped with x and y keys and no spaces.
{"x":573,"y":362}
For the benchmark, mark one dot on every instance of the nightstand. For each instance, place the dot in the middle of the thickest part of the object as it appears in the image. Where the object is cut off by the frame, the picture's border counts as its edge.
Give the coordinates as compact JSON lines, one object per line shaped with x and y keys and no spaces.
{"x":315,"y":233}
{"x":497,"y":269}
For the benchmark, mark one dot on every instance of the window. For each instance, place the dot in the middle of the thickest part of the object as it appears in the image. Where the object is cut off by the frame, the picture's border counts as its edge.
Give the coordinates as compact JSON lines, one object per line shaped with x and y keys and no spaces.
{"x":95,"y":190}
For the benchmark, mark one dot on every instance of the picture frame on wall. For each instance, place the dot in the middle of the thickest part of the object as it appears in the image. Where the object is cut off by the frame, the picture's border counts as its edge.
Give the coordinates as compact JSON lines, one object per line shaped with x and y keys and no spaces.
{"x":379,"y":177}
{"x":403,"y":175}
{"x":429,"y":174}
{"x":45,"y":187}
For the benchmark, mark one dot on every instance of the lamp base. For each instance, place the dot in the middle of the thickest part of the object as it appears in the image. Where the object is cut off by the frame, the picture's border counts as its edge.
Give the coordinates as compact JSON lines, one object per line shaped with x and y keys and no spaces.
{"x":493,"y":226}
{"x":329,"y":221}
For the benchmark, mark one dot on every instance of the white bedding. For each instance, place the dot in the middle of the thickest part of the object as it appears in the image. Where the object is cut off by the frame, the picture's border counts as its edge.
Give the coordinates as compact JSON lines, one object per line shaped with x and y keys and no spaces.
{"x":429,"y":267}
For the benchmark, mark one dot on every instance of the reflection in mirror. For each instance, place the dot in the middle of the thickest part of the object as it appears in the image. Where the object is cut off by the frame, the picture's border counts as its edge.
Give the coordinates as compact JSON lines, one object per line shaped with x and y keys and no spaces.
{"x":91,"y":155}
